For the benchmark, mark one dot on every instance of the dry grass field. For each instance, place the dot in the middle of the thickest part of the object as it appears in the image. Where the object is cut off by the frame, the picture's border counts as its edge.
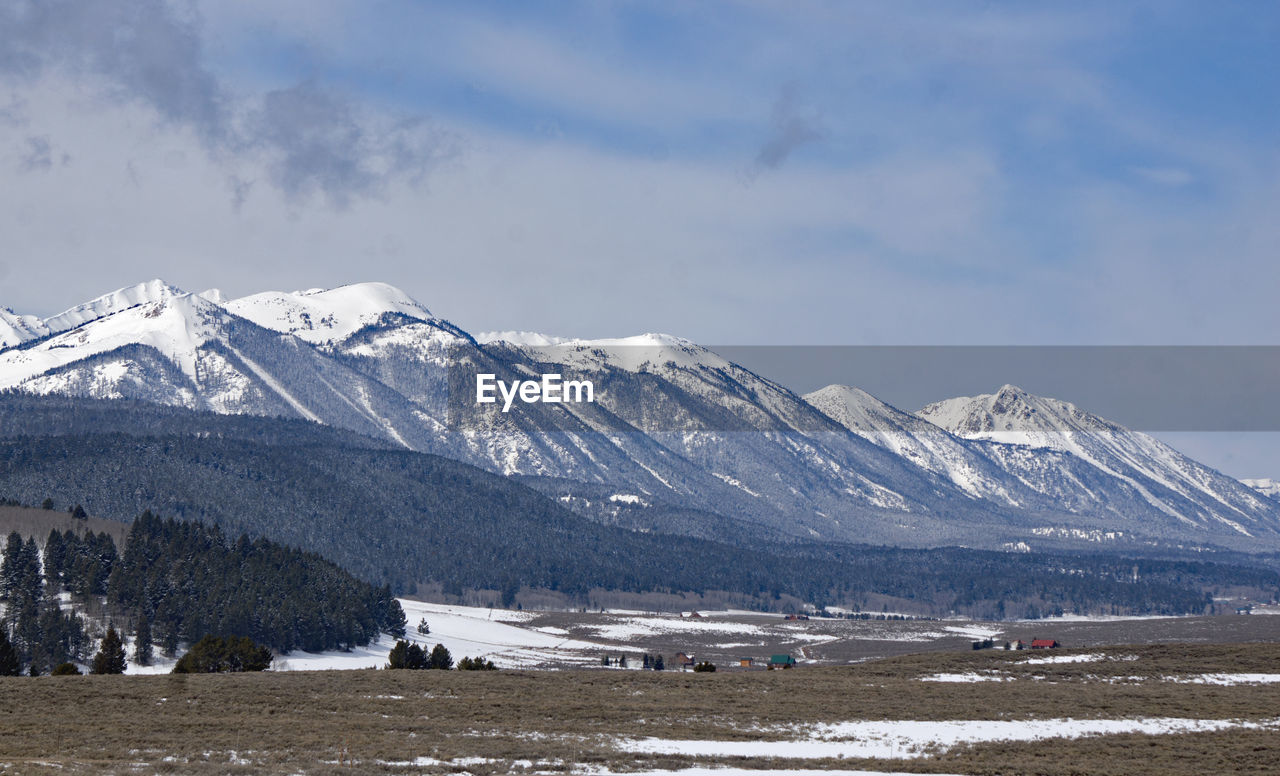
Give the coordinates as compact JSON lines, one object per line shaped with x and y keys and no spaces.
{"x":567,"y":721}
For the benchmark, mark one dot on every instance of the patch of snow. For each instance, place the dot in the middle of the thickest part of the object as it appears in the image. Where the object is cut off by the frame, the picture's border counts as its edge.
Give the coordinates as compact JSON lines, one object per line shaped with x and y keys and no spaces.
{"x":1092,"y":657}
{"x":1228,"y":680}
{"x":972,"y":676}
{"x":908,"y":739}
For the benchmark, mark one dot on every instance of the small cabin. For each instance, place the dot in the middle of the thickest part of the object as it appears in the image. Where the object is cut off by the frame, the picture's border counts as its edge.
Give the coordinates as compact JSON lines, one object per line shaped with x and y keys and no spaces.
{"x":746,"y":662}
{"x":683,"y":660}
{"x":781,"y":661}
{"x":1044,"y":644}
{"x":797,"y":617}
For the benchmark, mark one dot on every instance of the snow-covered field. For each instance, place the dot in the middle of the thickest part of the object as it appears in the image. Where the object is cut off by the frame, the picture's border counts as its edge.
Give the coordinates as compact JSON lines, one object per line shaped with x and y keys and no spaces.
{"x":908,"y":739}
{"x":466,"y":631}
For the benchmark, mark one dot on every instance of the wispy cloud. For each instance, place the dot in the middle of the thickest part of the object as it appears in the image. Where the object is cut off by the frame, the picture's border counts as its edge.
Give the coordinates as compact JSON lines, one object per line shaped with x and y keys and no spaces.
{"x":315,"y":140}
{"x":793,"y":125}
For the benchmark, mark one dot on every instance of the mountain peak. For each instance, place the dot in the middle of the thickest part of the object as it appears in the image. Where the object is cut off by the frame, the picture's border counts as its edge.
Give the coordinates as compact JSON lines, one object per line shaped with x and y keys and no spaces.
{"x":857,"y":410}
{"x":1012,"y":410}
{"x":112,"y":303}
{"x":326,"y":315}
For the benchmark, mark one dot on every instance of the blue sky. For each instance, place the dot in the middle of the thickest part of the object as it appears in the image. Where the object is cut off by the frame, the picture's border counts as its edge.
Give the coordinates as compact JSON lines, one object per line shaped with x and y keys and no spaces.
{"x":734,"y":172}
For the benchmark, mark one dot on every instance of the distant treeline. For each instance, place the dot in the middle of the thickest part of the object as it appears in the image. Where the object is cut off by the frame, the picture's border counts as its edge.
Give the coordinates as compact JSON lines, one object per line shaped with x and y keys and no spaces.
{"x":177,"y":582}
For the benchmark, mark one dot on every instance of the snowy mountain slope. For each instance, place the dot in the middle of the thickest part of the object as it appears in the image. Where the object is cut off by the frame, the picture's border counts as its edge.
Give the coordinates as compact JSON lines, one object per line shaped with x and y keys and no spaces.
{"x":924,"y":444}
{"x":16,"y":329}
{"x":749,"y":432}
{"x":1184,"y":490}
{"x":185,"y":350}
{"x":1266,"y":486}
{"x":673,"y":424}
{"x":319,"y":315}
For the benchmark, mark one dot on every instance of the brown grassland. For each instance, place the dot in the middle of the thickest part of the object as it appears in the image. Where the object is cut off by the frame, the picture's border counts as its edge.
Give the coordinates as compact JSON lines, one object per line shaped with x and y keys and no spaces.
{"x":367,"y":721}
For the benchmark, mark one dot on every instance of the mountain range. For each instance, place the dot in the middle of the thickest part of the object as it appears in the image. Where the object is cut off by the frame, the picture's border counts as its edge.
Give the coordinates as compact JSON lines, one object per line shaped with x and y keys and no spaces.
{"x":674,"y":428}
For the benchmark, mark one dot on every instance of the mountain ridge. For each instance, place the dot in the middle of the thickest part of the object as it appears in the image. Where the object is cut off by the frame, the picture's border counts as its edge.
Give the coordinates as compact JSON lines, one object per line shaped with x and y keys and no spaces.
{"x":673,"y":422}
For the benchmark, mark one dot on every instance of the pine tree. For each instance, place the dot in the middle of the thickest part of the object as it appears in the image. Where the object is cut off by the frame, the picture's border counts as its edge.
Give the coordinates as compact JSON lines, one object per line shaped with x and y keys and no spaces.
{"x":440,"y":658}
{"x":26,"y":628}
{"x":10,"y":569}
{"x":397,"y":658}
{"x":213,"y":654}
{"x":142,"y":649}
{"x":657,"y":663}
{"x":55,"y":554}
{"x":416,"y":658}
{"x":9,"y":663}
{"x":110,"y":658}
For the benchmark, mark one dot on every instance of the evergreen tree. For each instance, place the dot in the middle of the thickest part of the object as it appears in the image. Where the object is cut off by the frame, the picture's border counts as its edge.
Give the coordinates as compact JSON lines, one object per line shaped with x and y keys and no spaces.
{"x":397,"y":657}
{"x":658,"y":664}
{"x":10,"y":573}
{"x":214,"y":654}
{"x":55,"y":551}
{"x":142,"y":648}
{"x":65,"y":669}
{"x":9,"y":663}
{"x":110,"y":658}
{"x":26,"y":628}
{"x":476,"y":664}
{"x":440,"y":659}
{"x":416,"y":658}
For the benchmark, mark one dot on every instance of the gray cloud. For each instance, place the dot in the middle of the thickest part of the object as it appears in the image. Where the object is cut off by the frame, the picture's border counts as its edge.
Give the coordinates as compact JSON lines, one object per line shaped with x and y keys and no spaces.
{"x":317,"y":141}
{"x":792,"y":127}
{"x":314,"y":141}
{"x":145,"y":48}
{"x":38,"y":155}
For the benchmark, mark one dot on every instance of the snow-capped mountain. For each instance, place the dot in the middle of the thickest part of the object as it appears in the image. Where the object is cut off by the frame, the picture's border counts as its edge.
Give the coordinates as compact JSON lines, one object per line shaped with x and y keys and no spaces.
{"x":331,"y":315}
{"x":1265,"y":485}
{"x":16,"y":329}
{"x":961,"y":461}
{"x":1185,"y":491}
{"x":673,"y":426}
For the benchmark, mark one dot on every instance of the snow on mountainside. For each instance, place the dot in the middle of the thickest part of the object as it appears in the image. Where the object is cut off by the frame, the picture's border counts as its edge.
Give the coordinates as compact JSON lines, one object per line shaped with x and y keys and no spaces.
{"x":1183,"y":489}
{"x":1266,"y":486}
{"x":922,"y":443}
{"x":16,"y":329}
{"x":109,"y":304}
{"x":152,"y":314}
{"x":320,"y":315}
{"x":672,"y":422}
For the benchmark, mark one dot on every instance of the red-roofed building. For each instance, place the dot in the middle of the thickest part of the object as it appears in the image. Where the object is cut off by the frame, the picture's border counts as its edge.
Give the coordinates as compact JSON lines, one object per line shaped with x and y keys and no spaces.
{"x":1044,"y":644}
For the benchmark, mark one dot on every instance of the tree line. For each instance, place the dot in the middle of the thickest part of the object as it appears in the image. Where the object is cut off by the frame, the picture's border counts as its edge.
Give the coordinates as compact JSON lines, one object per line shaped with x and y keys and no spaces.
{"x":176,"y":582}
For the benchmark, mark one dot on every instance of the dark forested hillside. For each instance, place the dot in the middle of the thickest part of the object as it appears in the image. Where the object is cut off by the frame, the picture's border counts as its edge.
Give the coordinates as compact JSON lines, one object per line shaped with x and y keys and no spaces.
{"x":177,"y":582}
{"x":187,"y":581}
{"x":403,"y":518}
